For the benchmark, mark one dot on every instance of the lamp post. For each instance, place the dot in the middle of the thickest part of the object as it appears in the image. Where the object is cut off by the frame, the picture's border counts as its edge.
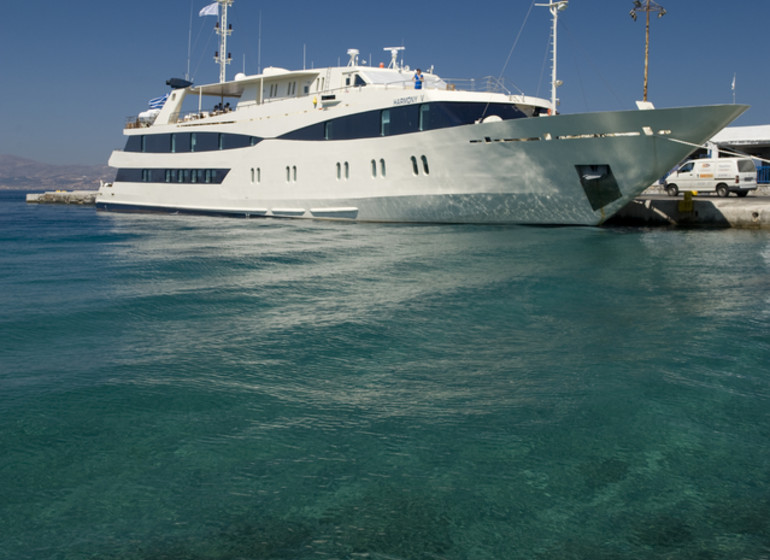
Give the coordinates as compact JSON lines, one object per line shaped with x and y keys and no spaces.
{"x":555,"y":7}
{"x":647,"y":7}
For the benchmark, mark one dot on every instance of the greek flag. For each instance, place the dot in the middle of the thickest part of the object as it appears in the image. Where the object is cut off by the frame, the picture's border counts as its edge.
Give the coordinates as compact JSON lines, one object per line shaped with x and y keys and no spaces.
{"x":210,"y":10}
{"x":158,"y":102}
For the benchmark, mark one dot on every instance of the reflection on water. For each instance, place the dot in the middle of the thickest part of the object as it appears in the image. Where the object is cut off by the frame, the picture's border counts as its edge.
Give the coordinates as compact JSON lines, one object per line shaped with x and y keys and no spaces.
{"x":209,"y":388}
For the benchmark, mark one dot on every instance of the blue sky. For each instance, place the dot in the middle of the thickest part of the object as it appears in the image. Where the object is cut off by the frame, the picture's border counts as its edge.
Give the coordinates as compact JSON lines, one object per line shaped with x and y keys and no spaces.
{"x":72,"y":72}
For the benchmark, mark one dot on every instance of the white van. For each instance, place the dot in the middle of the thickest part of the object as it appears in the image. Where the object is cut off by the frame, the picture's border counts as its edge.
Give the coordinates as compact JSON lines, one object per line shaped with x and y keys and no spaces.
{"x":719,"y":175}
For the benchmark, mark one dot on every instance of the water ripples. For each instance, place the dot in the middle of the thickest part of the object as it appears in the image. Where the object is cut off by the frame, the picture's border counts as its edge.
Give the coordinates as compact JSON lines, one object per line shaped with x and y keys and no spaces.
{"x":207,"y":388}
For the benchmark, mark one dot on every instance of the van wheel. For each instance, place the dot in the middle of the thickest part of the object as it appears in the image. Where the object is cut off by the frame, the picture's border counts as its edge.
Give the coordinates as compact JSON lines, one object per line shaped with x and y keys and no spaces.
{"x":722,"y":190}
{"x":672,"y":190}
{"x":742,"y":193}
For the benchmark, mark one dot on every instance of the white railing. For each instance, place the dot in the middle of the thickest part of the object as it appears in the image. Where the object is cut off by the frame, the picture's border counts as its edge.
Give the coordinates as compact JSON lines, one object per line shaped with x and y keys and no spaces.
{"x":487,"y":84}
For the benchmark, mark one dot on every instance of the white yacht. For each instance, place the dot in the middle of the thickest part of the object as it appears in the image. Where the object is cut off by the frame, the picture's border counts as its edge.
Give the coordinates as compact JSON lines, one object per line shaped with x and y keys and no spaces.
{"x":358,"y":142}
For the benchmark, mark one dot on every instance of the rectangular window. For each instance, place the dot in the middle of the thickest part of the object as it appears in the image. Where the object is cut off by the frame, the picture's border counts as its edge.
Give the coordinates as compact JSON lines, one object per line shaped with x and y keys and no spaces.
{"x":207,"y":141}
{"x":424,"y":116}
{"x":385,"y":122}
{"x":157,"y":143}
{"x":182,"y":142}
{"x":193,"y":141}
{"x":133,"y":144}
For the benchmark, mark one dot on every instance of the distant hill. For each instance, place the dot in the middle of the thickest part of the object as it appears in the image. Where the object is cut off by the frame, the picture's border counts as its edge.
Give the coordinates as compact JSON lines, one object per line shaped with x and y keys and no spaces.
{"x":20,"y":173}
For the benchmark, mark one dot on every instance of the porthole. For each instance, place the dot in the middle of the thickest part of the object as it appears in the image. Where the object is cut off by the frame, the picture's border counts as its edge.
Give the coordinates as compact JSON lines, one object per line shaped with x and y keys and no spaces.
{"x":415,"y":171}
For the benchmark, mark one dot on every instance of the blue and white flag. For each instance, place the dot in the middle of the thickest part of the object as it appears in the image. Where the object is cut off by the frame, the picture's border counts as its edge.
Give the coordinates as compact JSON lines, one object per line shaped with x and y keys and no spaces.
{"x":157,"y":103}
{"x":210,"y":10}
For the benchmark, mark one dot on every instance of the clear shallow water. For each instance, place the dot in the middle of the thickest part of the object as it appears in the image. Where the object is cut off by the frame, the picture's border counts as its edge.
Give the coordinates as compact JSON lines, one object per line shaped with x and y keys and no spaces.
{"x":200,"y":388}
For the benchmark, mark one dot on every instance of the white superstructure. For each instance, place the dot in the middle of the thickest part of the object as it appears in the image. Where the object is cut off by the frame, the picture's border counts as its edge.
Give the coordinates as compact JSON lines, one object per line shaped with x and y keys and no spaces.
{"x":359,"y":142}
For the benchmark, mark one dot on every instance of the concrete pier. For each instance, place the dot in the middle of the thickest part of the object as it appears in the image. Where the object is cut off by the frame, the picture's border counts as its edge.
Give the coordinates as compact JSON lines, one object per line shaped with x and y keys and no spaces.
{"x":695,"y":211}
{"x":63,"y":197}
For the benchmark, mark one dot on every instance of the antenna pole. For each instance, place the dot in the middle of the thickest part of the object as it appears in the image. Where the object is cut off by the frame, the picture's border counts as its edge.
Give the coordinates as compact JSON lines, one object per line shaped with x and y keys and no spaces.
{"x":189,"y":43}
{"x":223,"y":57}
{"x":554,"y":7}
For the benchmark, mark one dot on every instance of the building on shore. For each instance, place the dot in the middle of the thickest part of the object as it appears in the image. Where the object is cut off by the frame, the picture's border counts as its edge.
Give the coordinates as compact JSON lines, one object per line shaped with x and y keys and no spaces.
{"x":750,"y":140}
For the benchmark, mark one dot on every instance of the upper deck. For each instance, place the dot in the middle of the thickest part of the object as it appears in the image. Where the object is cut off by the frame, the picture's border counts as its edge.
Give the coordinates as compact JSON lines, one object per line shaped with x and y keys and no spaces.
{"x":325,"y":88}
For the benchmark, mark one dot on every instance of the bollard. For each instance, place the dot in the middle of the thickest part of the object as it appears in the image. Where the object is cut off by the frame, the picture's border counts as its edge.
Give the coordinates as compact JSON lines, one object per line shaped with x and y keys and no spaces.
{"x":686,"y":205}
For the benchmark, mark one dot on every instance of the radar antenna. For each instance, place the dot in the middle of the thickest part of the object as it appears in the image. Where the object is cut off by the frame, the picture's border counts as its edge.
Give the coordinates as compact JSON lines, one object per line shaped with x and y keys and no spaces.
{"x":394,"y":56}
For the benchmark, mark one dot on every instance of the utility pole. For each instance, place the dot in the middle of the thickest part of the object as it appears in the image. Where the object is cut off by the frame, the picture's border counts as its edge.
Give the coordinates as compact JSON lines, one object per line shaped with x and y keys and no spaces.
{"x":647,"y":7}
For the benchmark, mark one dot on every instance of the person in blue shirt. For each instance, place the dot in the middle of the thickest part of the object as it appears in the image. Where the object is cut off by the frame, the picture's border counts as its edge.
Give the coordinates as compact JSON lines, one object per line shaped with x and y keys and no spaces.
{"x":418,"y":79}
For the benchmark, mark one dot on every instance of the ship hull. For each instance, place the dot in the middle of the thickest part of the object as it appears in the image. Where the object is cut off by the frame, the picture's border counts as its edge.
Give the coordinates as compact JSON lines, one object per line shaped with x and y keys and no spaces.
{"x":566,"y":169}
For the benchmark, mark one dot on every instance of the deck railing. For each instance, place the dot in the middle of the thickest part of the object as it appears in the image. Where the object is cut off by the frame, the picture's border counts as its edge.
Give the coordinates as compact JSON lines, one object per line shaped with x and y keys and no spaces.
{"x":488,"y":84}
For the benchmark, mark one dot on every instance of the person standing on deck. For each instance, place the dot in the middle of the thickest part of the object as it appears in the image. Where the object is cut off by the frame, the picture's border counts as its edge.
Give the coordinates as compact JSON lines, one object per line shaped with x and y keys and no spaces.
{"x":418,"y":79}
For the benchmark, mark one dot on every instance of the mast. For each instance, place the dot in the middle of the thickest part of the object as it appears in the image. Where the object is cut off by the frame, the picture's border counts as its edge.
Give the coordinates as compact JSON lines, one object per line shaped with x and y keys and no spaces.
{"x":222,"y":57}
{"x":554,"y":7}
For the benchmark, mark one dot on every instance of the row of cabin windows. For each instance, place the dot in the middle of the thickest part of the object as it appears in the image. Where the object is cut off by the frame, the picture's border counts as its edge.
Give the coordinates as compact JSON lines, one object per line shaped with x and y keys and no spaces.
{"x":206,"y":176}
{"x":291,"y":90}
{"x":181,"y":142}
{"x":216,"y":176}
{"x":403,"y":120}
{"x":343,"y":170}
{"x":369,"y":124}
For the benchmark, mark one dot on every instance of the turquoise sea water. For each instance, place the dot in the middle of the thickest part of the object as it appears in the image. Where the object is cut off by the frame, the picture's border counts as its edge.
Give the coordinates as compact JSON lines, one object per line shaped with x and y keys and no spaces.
{"x":198,"y":388}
